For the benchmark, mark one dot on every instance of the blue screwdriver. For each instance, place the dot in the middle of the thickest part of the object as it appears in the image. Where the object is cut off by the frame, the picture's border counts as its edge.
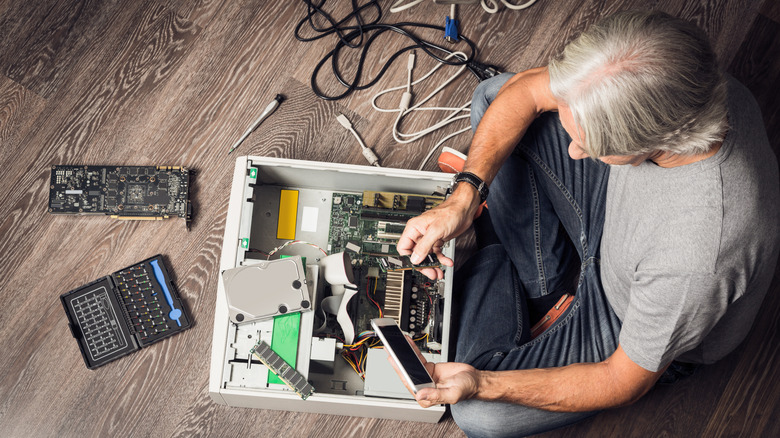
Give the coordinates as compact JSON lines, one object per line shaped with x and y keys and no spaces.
{"x":175,"y":313}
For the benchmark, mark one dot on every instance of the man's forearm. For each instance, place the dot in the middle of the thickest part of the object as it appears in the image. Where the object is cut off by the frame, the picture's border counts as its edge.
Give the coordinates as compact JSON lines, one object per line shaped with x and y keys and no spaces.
{"x":567,"y":389}
{"x":518,"y":103}
{"x":574,"y":388}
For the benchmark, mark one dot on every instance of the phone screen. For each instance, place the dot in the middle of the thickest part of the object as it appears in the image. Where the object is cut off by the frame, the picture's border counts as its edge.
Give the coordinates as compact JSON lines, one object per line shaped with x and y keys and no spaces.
{"x":407,"y":358}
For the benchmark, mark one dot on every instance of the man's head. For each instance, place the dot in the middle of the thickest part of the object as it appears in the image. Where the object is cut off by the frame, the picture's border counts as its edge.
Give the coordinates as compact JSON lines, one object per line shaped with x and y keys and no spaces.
{"x":637,"y":83}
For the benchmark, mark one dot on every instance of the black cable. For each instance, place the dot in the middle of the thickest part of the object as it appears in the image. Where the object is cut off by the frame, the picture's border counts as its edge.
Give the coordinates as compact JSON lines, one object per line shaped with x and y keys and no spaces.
{"x":355,"y":83}
{"x":482,"y":71}
{"x":347,"y":34}
{"x":335,"y":27}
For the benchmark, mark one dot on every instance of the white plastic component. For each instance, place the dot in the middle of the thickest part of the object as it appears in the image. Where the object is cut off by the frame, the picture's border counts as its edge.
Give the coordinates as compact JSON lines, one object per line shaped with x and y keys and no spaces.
{"x":337,"y":269}
{"x":323,"y":349}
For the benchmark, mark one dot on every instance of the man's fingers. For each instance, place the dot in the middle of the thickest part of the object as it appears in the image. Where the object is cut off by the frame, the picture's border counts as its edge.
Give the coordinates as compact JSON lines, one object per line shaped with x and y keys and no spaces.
{"x":438,"y":249}
{"x":432,"y":273}
{"x":427,"y":244}
{"x":420,"y":236}
{"x":435,"y":273}
{"x":427,"y":397}
{"x":409,"y":238}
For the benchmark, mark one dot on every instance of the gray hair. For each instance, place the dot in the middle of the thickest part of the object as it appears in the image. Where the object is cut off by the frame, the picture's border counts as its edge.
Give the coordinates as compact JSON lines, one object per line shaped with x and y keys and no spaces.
{"x":639,"y":82}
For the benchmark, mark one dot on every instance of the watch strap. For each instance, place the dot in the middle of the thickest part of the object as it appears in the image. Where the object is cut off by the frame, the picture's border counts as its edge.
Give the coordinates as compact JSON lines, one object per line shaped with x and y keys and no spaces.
{"x":475,"y":181}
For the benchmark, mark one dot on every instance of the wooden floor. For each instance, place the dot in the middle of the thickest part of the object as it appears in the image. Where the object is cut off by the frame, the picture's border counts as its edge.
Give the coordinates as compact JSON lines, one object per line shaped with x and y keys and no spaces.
{"x":176,"y":82}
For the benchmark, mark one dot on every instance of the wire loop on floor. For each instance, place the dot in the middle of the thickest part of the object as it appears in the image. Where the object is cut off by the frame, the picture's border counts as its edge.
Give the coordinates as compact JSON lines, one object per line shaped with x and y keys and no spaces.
{"x":361,"y":37}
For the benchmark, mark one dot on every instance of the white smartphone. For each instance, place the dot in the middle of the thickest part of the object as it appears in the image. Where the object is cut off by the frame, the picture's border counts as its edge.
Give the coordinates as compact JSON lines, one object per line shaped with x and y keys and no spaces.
{"x":398,"y":347}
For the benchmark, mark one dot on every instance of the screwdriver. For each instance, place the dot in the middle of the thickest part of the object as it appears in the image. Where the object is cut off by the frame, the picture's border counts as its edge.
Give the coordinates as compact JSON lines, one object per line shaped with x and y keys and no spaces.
{"x":267,"y":112}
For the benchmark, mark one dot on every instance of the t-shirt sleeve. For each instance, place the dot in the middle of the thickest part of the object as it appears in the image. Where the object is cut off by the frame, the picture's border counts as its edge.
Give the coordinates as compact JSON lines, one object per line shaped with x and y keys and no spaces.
{"x":670,"y":313}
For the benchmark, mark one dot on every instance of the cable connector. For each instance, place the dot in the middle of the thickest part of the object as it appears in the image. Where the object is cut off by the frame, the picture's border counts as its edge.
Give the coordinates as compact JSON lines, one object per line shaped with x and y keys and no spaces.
{"x":406,"y":101}
{"x":451,"y":27}
{"x":371,"y":157}
{"x":367,"y":152}
{"x":344,"y":121}
{"x":406,"y":98}
{"x":482,"y":71}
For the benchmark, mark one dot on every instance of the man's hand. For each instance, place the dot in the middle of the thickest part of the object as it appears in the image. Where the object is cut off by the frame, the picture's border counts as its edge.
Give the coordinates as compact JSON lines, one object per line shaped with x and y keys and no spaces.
{"x":454,"y":381}
{"x":429,"y":232}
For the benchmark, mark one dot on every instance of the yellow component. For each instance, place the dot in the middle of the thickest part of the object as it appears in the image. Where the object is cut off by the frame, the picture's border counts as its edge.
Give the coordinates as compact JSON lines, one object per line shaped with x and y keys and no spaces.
{"x":288,"y":213}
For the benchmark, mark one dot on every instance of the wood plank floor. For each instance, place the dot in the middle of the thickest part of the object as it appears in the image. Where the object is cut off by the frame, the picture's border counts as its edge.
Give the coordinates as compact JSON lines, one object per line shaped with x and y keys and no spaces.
{"x":176,"y":82}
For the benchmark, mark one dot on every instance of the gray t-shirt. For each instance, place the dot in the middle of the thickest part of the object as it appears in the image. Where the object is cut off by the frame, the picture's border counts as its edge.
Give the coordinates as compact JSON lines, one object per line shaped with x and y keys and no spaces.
{"x":688,"y":252}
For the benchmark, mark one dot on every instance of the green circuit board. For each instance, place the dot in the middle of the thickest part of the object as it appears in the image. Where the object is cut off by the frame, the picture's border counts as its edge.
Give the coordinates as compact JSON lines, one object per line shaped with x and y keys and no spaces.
{"x":367,"y":226}
{"x":124,"y":192}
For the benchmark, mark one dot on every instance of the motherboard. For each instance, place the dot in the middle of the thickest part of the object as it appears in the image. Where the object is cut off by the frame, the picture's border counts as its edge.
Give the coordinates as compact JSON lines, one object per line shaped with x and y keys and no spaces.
{"x":367,"y":226}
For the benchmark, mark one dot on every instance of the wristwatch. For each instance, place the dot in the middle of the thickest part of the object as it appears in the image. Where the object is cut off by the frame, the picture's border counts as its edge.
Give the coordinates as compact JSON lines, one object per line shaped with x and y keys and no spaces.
{"x":475,"y":181}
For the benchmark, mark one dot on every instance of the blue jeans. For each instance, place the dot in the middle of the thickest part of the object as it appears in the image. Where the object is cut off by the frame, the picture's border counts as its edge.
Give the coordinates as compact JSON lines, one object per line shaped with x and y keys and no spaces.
{"x":547,"y":211}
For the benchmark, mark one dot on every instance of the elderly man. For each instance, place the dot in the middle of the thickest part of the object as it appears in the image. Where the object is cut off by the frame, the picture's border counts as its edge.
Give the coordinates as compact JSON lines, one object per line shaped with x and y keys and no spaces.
{"x":631,"y":165}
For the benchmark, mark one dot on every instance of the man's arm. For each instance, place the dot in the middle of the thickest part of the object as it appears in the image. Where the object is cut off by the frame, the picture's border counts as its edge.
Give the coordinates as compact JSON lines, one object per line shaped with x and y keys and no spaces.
{"x":523,"y":98}
{"x":616,"y":381}
{"x":519,"y":102}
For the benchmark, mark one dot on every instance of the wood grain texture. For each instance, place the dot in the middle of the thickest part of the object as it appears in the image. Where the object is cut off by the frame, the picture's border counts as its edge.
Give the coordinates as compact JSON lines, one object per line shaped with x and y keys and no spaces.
{"x":771,"y":9}
{"x":176,"y":82}
{"x":19,"y":109}
{"x":743,"y":411}
{"x":199,"y":12}
{"x":50,"y":39}
{"x":755,"y":67}
{"x":725,"y":21}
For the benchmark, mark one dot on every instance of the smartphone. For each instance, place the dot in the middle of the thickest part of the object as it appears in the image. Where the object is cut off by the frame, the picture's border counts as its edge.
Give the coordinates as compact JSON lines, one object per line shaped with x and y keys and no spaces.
{"x":398,"y":347}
